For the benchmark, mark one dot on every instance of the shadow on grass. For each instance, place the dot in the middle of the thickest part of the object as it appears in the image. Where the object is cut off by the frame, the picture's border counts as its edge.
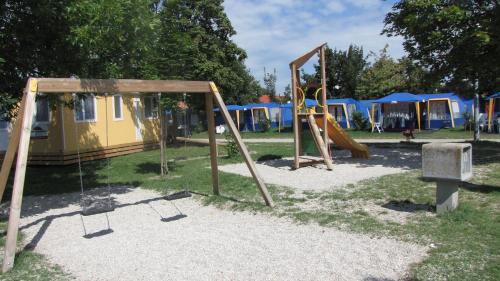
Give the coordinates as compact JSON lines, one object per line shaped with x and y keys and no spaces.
{"x":485,"y":152}
{"x":148,"y":168}
{"x":482,"y":188}
{"x":408,"y":206}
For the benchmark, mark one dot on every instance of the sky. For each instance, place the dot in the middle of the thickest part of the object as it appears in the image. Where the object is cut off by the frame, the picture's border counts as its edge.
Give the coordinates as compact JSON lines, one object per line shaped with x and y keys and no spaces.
{"x":275,"y":32}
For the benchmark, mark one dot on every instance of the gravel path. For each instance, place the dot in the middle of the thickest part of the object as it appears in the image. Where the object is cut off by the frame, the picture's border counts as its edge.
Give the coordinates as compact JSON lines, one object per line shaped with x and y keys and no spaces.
{"x":346,"y":170}
{"x":151,"y":240}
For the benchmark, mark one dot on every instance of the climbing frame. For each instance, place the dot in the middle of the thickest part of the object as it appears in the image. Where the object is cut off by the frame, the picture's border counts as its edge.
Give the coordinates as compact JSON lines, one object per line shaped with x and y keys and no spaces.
{"x":299,"y":115}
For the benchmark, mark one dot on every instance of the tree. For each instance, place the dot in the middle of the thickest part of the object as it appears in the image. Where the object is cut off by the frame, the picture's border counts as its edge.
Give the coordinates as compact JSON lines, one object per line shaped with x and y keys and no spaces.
{"x":383,"y":77}
{"x":33,"y":42}
{"x":458,"y":41}
{"x":287,"y":94}
{"x":270,"y":83}
{"x":195,"y":43}
{"x":343,"y":71}
{"x":89,"y":39}
{"x":115,"y":38}
{"x":417,"y":78}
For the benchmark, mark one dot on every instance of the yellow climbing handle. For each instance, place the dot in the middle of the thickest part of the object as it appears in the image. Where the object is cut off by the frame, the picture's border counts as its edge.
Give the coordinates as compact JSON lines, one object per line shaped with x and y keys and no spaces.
{"x":301,"y":101}
{"x":316,"y":97}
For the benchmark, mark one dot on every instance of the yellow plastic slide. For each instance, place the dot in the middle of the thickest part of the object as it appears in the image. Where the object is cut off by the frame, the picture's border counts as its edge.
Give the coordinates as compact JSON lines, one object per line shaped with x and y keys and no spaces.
{"x":341,"y":138}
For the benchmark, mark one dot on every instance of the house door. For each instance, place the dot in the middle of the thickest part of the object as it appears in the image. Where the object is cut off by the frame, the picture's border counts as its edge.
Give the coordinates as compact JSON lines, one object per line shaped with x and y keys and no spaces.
{"x":137,"y":119}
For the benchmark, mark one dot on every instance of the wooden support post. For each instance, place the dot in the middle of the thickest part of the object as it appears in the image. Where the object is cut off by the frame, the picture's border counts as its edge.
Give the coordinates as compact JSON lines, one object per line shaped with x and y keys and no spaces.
{"x":295,"y":119}
{"x":238,"y":119}
{"x":452,"y":116}
{"x":12,"y":148}
{"x":319,"y":141}
{"x":491,"y":105}
{"x":346,"y":114}
{"x":209,"y":105}
{"x":417,"y":108}
{"x":164,"y":166}
{"x":17,"y":193}
{"x":323,"y":95}
{"x":428,"y":114}
{"x":243,"y":149}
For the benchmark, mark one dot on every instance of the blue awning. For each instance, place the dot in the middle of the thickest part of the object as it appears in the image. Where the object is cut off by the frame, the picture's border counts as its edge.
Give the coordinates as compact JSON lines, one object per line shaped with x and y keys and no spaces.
{"x":338,"y":101}
{"x":308,"y":102}
{"x":427,"y":97}
{"x":268,"y":105}
{"x":399,"y":97}
{"x":232,"y":107}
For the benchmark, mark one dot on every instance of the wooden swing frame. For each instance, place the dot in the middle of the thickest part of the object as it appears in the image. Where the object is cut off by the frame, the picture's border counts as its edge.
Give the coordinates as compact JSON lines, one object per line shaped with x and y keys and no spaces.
{"x":20,"y":139}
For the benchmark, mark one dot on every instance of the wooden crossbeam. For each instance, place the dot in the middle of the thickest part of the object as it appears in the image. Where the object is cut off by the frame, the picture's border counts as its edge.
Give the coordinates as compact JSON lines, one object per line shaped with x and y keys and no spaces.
{"x":299,"y":62}
{"x":69,"y":85}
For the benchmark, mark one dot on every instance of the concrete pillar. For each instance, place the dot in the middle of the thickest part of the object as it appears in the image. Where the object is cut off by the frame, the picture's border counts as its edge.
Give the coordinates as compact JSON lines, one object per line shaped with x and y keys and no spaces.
{"x":446,"y":196}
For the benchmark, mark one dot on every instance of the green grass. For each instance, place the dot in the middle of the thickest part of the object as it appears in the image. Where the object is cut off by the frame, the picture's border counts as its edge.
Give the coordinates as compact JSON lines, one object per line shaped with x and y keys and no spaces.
{"x":272,"y":133}
{"x":458,"y":133}
{"x":466,"y":241}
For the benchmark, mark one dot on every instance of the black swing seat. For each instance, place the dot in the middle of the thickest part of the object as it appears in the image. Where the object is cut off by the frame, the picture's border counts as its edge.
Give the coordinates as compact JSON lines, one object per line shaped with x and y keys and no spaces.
{"x":178,"y":195}
{"x":93,"y":205}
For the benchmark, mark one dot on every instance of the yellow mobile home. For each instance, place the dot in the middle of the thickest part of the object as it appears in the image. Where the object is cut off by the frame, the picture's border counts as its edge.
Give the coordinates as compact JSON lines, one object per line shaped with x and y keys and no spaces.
{"x":97,"y":126}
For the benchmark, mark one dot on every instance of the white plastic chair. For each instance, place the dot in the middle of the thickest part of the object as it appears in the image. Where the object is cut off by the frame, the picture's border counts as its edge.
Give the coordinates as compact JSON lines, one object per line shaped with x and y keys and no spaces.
{"x":377,"y":126}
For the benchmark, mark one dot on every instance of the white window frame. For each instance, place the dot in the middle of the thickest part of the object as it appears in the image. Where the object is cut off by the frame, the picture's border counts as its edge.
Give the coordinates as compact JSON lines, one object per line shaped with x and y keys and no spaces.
{"x":95,"y":111}
{"x":157,"y":109}
{"x":121,"y":107}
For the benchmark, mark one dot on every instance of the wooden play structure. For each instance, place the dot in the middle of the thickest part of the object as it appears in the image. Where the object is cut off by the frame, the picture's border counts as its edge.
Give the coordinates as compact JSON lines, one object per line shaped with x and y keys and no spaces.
{"x":20,"y":139}
{"x":319,"y":121}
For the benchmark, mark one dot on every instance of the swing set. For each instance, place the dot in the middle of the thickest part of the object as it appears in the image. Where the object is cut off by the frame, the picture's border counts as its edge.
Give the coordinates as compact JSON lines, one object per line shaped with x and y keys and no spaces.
{"x":20,"y":139}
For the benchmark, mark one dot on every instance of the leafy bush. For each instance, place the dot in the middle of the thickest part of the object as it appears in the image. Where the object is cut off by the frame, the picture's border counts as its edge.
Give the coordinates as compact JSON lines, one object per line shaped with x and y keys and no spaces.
{"x":360,"y":123}
{"x":265,"y":125}
{"x":231,"y":146}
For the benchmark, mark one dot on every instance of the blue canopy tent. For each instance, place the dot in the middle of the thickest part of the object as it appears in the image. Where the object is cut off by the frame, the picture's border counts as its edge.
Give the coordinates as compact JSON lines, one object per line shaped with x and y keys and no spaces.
{"x":366,"y":106}
{"x":443,"y":110}
{"x":262,"y":112}
{"x":493,"y":109}
{"x":469,"y":105}
{"x":237,"y":113}
{"x":398,"y":111}
{"x":342,"y":110}
{"x":286,"y":112}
